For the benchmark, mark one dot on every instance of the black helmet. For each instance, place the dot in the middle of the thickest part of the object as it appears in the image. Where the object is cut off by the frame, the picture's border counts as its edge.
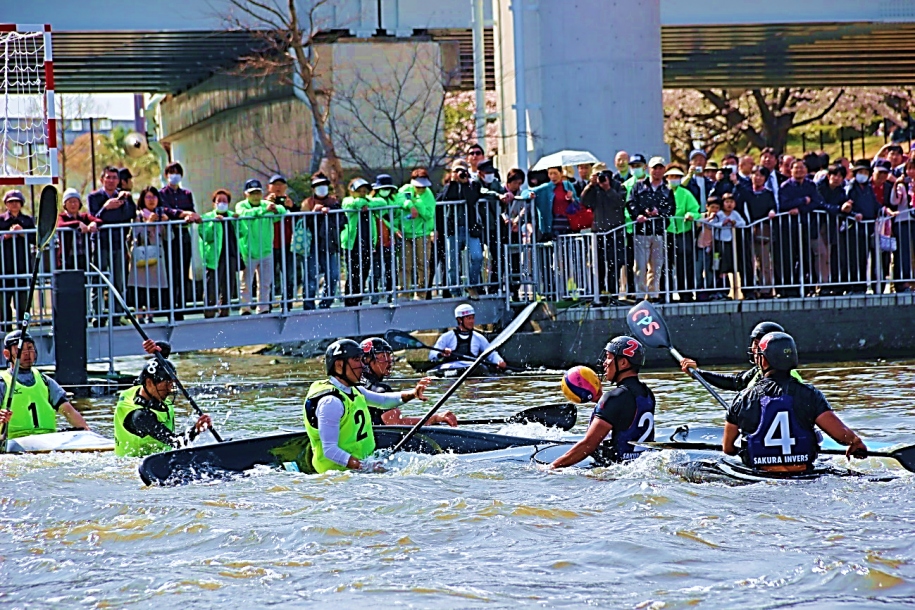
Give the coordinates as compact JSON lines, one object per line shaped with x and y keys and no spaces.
{"x":627,"y":347}
{"x":12,"y":339}
{"x":373,"y":346}
{"x":780,"y":351}
{"x":763,"y":328}
{"x":340,"y":350}
{"x":156,"y":371}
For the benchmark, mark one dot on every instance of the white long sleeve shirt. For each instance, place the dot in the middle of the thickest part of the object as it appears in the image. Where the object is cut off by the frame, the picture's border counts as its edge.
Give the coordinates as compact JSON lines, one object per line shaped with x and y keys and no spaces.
{"x":478,"y":344}
{"x":330,"y":411}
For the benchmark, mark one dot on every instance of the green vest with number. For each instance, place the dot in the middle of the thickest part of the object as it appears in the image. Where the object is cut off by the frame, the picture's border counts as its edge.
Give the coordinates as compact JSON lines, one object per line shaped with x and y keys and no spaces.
{"x":129,"y":444}
{"x":32,"y":411}
{"x":356,"y":436}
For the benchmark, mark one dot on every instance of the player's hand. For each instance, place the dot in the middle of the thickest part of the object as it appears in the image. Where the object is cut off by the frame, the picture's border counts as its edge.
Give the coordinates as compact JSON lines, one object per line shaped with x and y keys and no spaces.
{"x":688,"y":363}
{"x":446,"y":352}
{"x":150,"y":347}
{"x":203,"y":423}
{"x":5,"y":416}
{"x":419,"y":392}
{"x":502,"y":365}
{"x":856,"y":449}
{"x":445,"y":418}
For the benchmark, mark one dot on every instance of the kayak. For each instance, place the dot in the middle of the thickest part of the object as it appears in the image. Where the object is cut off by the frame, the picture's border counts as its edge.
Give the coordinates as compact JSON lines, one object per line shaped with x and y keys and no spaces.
{"x":71,"y":440}
{"x":733,"y":472}
{"x":291,"y":451}
{"x":454,"y":368}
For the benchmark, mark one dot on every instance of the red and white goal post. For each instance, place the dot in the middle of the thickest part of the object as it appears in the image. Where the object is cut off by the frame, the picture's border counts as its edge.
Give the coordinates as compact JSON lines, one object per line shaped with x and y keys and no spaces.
{"x":28,"y":132}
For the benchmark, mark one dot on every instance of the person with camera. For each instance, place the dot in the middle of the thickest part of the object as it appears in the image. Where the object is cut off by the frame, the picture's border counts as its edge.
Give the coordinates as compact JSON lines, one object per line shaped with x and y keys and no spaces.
{"x":602,"y":197}
{"x":651,"y":203}
{"x":453,"y":225}
{"x":903,"y":201}
{"x":285,"y":265}
{"x":492,"y":203}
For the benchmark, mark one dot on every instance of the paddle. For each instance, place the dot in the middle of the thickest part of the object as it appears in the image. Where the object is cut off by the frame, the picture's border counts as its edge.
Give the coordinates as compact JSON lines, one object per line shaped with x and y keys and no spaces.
{"x":649,"y":327}
{"x":401,"y":340}
{"x":47,"y":225}
{"x":905,"y":456}
{"x":158,"y":356}
{"x":504,"y":336}
{"x":564,"y":416}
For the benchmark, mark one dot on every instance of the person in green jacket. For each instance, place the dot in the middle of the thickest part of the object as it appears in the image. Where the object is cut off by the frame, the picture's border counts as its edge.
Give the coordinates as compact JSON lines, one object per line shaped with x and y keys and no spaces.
{"x":359,"y":239}
{"x":388,"y":223}
{"x":257,"y":245}
{"x":680,"y":236}
{"x":220,"y":236}
{"x":417,"y":224}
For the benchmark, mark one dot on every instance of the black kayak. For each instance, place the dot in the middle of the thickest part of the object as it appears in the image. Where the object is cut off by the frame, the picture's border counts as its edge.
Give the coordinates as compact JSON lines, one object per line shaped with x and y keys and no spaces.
{"x":734,"y":472}
{"x":291,"y":450}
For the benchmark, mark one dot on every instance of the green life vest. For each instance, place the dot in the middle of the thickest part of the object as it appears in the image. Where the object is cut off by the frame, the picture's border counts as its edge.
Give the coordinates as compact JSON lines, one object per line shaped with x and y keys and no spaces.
{"x":32,"y":411}
{"x":128,"y":444}
{"x":758,"y":376}
{"x":356,"y":435}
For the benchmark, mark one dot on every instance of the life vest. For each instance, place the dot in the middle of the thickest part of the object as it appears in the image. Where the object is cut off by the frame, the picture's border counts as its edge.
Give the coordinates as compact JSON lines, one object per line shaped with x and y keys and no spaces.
{"x":463,"y":344}
{"x":641,"y":430}
{"x":356,"y":435}
{"x":779,"y":440}
{"x":374,"y":383}
{"x":32,"y":411}
{"x":128,"y":444}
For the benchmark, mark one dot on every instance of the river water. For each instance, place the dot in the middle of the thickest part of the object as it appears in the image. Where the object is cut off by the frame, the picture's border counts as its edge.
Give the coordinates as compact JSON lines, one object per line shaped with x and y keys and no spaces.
{"x":81,"y":531}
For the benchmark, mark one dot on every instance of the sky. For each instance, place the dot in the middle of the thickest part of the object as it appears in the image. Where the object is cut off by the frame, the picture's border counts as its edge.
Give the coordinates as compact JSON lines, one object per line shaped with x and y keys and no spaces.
{"x":114,"y":106}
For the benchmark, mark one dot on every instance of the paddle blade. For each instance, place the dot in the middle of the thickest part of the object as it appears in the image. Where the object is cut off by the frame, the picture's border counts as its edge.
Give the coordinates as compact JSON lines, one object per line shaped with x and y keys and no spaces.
{"x":400,"y":340}
{"x":906,"y":457}
{"x":563,"y":416}
{"x":47,"y":215}
{"x":647,"y":325}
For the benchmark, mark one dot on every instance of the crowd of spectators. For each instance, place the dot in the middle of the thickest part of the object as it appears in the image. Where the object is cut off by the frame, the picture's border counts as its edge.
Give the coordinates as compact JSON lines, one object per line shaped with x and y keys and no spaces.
{"x":749,"y":227}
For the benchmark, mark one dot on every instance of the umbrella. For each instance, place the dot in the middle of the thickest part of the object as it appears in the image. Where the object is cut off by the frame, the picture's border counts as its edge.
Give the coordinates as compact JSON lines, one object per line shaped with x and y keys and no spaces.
{"x":565,"y":158}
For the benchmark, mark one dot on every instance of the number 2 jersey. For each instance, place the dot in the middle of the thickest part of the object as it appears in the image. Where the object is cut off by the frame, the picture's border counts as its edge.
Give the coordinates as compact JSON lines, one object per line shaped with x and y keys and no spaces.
{"x":629,"y":408}
{"x":776,"y":418}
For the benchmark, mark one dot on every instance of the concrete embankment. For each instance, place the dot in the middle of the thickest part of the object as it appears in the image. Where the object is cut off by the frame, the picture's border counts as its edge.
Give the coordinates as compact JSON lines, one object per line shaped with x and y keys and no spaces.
{"x":836,"y":328}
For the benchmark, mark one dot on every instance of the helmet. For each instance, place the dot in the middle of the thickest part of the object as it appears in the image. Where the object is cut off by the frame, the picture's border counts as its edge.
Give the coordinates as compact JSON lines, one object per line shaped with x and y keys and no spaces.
{"x":780,"y":351}
{"x":341,"y":350}
{"x":627,"y":347}
{"x":156,"y":371}
{"x":373,"y":346}
{"x":464,"y":309}
{"x":763,"y":328}
{"x":12,"y":339}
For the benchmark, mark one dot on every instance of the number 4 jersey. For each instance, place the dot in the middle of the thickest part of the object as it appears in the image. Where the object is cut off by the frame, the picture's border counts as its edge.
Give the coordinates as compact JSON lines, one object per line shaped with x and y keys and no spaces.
{"x":776,"y":418}
{"x":629,"y":408}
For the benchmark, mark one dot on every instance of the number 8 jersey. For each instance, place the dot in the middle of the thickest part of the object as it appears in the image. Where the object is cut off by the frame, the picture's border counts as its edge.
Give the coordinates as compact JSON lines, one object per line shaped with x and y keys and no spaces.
{"x":776,"y":418}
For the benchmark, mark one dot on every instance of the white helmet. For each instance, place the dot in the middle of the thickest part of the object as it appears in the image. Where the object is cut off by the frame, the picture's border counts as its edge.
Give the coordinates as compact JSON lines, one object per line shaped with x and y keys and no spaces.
{"x":464,"y":309}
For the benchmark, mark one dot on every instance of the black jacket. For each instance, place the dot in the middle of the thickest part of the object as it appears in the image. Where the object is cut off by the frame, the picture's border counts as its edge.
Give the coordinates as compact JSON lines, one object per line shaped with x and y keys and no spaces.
{"x":643,"y":198}
{"x":607,"y":205}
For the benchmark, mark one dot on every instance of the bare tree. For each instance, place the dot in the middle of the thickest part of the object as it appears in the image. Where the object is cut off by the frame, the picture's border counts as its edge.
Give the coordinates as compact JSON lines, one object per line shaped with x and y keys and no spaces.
{"x":290,"y":50}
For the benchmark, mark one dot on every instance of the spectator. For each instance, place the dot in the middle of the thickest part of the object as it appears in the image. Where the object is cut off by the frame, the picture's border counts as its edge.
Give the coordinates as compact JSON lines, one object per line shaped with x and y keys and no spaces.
{"x":711,"y":170}
{"x":16,"y":248}
{"x":148,"y":278}
{"x":861,"y":236}
{"x":758,"y":207}
{"x":769,"y":160}
{"x":492,"y":198}
{"x":475,"y":155}
{"x":537,"y":177}
{"x":785,"y":163}
{"x":651,"y":204}
{"x":638,"y":164}
{"x":418,"y":223}
{"x":903,"y":201}
{"x":457,"y":227}
{"x":883,"y":191}
{"x":113,"y":207}
{"x":358,"y":239}
{"x":125,"y":180}
{"x":893,"y":153}
{"x":623,"y":171}
{"x":584,"y":174}
{"x":832,"y":190}
{"x":680,"y":234}
{"x":552,"y":201}
{"x":285,"y":267}
{"x":602,"y":196}
{"x":220,"y":237}
{"x":178,"y":253}
{"x":323,"y":256}
{"x":73,"y":245}
{"x":257,"y":245}
{"x":518,"y":226}
{"x":726,"y":179}
{"x":745,"y":171}
{"x":726,"y":222}
{"x":695,"y":181}
{"x":707,"y":258}
{"x":388,"y":223}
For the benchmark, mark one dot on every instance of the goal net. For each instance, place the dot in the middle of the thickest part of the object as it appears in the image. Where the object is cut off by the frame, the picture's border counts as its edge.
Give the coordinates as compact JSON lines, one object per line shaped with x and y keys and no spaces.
{"x":28,"y":131}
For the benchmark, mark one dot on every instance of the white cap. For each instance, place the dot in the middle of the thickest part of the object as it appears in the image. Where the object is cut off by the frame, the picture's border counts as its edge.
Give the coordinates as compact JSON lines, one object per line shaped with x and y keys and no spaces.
{"x":71,"y":193}
{"x":464,"y":309}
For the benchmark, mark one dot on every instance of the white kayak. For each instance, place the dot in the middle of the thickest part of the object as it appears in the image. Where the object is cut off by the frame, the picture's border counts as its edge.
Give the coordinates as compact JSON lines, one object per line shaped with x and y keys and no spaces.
{"x":73,"y":440}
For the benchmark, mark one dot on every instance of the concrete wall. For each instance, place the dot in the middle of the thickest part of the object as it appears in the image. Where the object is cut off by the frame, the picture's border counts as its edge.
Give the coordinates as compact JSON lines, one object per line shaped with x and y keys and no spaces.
{"x":592,"y":78}
{"x":865,"y":328}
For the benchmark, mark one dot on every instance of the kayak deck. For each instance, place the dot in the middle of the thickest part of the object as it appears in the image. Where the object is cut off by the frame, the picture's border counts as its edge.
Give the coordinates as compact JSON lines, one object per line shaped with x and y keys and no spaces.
{"x":733,"y":472}
{"x":70,"y":441}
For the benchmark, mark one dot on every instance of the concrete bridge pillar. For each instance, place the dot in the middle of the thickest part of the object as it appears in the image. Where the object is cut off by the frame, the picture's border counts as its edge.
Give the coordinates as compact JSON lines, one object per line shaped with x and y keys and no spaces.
{"x":591,"y":74}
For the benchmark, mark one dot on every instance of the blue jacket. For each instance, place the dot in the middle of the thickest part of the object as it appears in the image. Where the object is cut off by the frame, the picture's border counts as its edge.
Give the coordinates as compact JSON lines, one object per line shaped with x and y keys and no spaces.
{"x":863,"y":200}
{"x":793,"y":195}
{"x":543,"y":204}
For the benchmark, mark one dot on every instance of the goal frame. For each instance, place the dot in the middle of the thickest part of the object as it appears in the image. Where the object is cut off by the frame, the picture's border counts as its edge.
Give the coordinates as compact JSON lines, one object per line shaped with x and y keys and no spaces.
{"x":50,"y":117}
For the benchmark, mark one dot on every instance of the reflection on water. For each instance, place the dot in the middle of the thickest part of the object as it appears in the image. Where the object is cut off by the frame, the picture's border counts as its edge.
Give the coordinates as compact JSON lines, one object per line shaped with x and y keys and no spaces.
{"x":449,"y":532}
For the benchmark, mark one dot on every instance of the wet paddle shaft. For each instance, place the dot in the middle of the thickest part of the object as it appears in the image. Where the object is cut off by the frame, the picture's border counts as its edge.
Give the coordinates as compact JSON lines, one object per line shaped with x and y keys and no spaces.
{"x":47,"y":225}
{"x":159,"y":357}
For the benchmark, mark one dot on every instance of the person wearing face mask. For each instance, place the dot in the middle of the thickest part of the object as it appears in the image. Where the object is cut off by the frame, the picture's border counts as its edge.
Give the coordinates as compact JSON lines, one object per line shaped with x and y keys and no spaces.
{"x":360,"y":239}
{"x":493,"y":201}
{"x":860,"y":237}
{"x":179,"y":253}
{"x":384,"y":191}
{"x":457,"y":227}
{"x":256,"y":245}
{"x":219,"y":238}
{"x":637,"y":166}
{"x":680,"y":239}
{"x":651,"y":203}
{"x":323,"y":255}
{"x":417,"y":225}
